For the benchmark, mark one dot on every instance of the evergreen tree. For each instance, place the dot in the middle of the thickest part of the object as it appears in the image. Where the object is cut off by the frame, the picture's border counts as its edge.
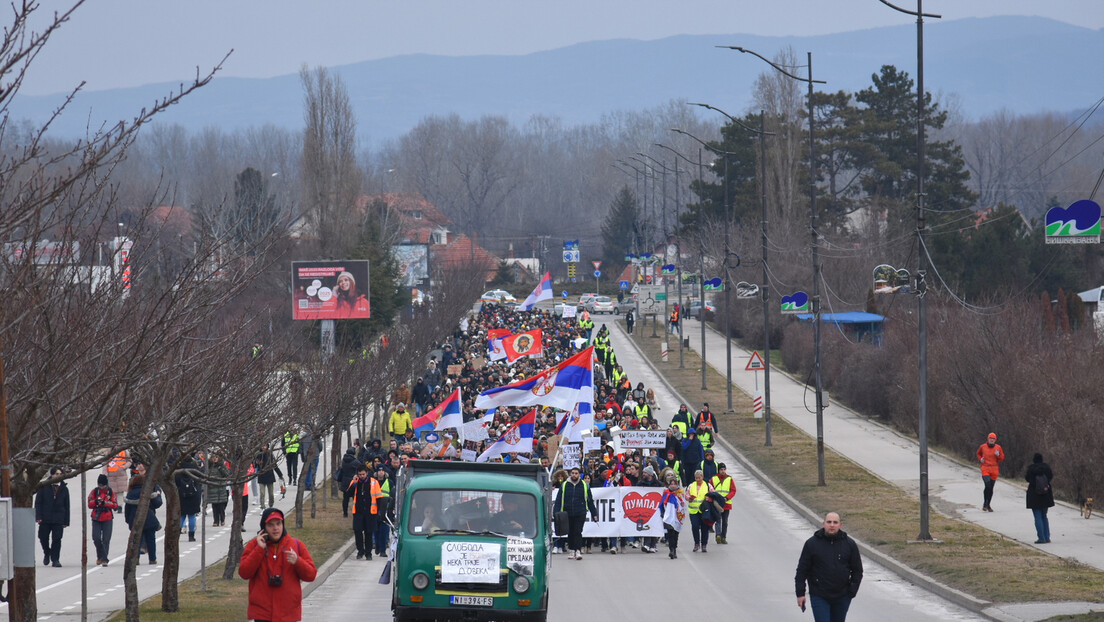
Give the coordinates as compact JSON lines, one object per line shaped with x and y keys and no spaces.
{"x":623,"y":230}
{"x":385,"y":296}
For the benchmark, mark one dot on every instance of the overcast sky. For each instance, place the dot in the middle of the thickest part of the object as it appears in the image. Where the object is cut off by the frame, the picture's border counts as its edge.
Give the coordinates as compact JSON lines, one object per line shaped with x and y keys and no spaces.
{"x":119,"y":43}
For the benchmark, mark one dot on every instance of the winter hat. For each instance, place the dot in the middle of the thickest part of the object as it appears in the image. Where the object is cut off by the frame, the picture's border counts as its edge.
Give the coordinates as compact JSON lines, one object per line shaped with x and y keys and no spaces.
{"x":993,"y":436}
{"x":649,"y":470}
{"x":721,"y":465}
{"x":709,"y":452}
{"x":101,"y":480}
{"x":270,"y":514}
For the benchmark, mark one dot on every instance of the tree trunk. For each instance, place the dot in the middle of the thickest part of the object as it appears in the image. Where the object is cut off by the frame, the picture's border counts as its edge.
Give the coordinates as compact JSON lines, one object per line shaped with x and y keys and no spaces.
{"x":134,"y":543}
{"x":335,"y":461}
{"x":170,"y":595}
{"x":234,"y":550}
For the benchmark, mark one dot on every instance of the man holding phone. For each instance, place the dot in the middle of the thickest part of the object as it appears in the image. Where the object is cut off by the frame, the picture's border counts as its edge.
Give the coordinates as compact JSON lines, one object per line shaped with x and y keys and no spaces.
{"x":275,"y":564}
{"x":831,"y":565}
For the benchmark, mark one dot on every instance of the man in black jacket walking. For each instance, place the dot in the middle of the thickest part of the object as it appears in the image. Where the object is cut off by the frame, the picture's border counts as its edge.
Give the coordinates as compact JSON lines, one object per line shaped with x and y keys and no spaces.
{"x":831,"y":565}
{"x":52,"y":516}
{"x":577,"y":501}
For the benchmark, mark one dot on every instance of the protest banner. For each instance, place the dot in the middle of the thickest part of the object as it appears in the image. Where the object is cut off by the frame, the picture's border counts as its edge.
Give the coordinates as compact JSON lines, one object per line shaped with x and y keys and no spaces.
{"x":470,"y":562}
{"x":572,"y":456}
{"x":592,"y":443}
{"x":643,"y":439}
{"x":455,"y":369}
{"x":625,"y":512}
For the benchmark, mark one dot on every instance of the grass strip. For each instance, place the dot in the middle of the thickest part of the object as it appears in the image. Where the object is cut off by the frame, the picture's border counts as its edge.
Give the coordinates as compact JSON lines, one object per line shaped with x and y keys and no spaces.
{"x":970,"y":558}
{"x":227,"y":601}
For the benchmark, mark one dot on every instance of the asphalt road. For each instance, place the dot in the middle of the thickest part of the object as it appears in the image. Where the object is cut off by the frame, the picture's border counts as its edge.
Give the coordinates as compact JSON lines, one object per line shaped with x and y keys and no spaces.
{"x":751,"y":578}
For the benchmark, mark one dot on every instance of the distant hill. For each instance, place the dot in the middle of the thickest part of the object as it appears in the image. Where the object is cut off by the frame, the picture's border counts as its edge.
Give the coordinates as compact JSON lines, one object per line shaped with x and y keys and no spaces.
{"x":1023,"y":64}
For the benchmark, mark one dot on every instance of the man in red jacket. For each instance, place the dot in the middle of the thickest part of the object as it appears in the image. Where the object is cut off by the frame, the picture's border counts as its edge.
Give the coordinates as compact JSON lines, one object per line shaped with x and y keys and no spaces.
{"x":275,"y":563}
{"x":990,"y":455}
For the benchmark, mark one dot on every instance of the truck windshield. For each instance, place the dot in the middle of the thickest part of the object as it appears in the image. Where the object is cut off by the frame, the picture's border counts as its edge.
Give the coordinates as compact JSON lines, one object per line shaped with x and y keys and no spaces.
{"x":507,"y":513}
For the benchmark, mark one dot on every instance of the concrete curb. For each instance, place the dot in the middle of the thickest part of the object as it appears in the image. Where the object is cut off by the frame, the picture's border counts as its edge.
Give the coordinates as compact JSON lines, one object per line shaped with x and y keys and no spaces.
{"x":328,"y":568}
{"x":946,"y":592}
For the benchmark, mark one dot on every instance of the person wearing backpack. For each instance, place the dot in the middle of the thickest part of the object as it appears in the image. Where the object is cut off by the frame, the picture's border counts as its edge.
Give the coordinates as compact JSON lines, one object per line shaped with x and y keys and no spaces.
{"x":1040,"y":496}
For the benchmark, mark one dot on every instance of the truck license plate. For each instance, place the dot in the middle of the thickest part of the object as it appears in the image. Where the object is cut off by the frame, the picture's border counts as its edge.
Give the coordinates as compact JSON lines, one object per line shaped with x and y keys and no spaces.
{"x":472,"y":601}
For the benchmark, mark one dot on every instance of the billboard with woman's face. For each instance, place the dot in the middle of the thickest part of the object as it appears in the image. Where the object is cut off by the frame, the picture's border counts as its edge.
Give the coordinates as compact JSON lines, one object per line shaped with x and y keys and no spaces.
{"x":330,"y":290}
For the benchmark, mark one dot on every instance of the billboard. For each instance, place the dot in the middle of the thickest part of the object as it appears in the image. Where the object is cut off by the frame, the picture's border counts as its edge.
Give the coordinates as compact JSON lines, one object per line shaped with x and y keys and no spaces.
{"x":413,"y":260}
{"x":329,"y":290}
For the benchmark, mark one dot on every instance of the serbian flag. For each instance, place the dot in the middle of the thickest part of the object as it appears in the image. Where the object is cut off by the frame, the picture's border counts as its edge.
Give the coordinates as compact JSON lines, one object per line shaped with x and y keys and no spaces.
{"x":574,"y":422}
{"x":523,"y":344}
{"x":447,"y":414}
{"x":517,"y":439}
{"x":543,"y":291}
{"x":562,"y":386}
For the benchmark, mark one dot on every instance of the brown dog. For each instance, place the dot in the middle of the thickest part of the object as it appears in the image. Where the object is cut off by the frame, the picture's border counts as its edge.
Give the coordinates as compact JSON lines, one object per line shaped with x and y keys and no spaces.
{"x":1087,"y":507}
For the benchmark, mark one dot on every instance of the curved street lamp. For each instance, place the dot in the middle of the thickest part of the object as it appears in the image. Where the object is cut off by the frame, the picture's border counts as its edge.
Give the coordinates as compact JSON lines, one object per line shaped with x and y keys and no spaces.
{"x":816,"y":259}
{"x":921,"y":287}
{"x":762,"y":133}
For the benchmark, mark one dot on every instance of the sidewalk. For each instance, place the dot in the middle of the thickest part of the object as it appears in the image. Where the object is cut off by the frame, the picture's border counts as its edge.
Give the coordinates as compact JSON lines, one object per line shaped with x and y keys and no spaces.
{"x":955,"y":488}
{"x":59,"y":589}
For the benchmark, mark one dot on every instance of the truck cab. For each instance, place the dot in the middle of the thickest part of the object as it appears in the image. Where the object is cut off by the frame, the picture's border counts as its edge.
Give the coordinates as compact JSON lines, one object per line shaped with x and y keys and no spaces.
{"x":472,"y":542}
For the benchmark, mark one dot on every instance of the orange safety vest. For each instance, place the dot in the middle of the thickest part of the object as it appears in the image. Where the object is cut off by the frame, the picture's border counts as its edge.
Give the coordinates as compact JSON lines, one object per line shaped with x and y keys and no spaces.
{"x":373,"y":492}
{"x":706,"y":420}
{"x":674,"y":315}
{"x":118,"y":463}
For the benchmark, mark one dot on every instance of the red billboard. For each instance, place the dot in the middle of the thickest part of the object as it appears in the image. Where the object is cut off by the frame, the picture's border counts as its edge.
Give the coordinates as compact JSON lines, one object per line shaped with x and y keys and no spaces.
{"x":329,"y":290}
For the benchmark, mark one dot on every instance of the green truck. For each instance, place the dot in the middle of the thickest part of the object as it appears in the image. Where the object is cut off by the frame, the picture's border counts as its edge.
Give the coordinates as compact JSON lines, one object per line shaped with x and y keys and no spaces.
{"x":472,"y":542}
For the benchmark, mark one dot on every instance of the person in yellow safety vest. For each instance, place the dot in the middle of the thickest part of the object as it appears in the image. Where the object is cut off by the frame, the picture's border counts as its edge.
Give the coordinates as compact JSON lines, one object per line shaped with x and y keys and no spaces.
{"x":723,"y":484}
{"x":706,"y":425}
{"x":587,"y":324}
{"x":641,"y":410}
{"x":291,"y":455}
{"x":366,"y":493}
{"x":399,"y":422}
{"x":383,"y":505}
{"x":617,"y":375}
{"x":695,"y":494}
{"x":681,"y":420}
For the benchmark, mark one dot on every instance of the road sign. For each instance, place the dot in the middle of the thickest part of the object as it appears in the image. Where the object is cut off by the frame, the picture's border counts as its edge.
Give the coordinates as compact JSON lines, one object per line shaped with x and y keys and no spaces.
{"x":624,"y":284}
{"x":755,"y":363}
{"x":597,"y":264}
{"x":597,"y":273}
{"x":565,"y":294}
{"x":571,"y":256}
{"x":757,"y":405}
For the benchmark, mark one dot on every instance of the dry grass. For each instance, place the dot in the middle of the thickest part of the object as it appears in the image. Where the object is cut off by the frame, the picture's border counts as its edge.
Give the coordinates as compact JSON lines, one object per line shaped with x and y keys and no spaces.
{"x":970,"y":558}
{"x":226,"y":601}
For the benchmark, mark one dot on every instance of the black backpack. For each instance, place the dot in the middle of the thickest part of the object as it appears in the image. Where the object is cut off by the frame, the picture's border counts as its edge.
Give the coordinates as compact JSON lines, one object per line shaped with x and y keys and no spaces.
{"x":1042,"y":484}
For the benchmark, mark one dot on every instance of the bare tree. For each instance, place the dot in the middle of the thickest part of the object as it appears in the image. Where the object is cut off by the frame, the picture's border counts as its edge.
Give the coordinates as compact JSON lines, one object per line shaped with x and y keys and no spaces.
{"x":331,"y":178}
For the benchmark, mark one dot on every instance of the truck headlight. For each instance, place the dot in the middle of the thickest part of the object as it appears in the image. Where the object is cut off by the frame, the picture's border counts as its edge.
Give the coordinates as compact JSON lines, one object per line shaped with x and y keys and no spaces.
{"x":521,"y":584}
{"x":421,"y":581}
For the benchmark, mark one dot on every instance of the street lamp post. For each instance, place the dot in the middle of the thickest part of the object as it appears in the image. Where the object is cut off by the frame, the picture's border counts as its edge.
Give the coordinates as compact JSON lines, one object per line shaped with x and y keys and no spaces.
{"x":762,"y":133}
{"x":921,"y":286}
{"x":816,"y":259}
{"x":701,"y":259}
{"x":727,"y":253}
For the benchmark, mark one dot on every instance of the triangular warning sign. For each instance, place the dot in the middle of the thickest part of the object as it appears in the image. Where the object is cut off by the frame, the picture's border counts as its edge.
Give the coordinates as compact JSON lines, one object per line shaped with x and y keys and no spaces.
{"x":755,"y":363}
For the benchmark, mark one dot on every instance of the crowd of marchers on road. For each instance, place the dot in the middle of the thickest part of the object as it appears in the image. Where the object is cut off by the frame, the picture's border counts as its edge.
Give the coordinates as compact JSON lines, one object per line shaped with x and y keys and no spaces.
{"x":697,"y":489}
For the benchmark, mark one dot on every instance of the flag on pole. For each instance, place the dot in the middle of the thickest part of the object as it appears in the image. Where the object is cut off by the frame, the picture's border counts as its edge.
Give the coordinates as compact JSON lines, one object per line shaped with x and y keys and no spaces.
{"x":517,"y":439}
{"x":573,"y":423}
{"x":523,"y":344}
{"x":447,"y":414}
{"x":562,"y":386}
{"x":543,"y":291}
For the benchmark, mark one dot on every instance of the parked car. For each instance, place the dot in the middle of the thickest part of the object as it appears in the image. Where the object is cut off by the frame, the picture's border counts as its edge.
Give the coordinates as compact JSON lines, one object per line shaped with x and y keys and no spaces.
{"x":498,"y":295}
{"x":621,"y":308}
{"x":600,"y":304}
{"x":584,"y":299}
{"x":696,"y":308}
